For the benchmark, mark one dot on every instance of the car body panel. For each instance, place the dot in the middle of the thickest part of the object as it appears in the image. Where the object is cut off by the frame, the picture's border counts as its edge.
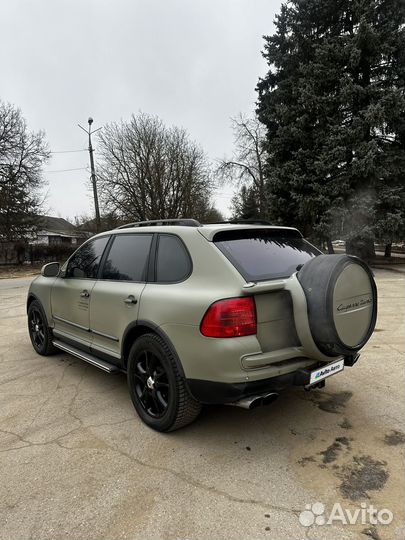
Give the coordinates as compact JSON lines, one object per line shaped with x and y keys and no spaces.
{"x":70,"y":309}
{"x":210,"y":359}
{"x":40,"y":288}
{"x":275,"y":321}
{"x":110,"y":314}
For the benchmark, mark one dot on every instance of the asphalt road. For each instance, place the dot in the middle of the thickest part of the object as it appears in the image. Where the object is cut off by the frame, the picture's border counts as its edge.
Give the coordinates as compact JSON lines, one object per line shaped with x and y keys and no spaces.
{"x":76,"y":462}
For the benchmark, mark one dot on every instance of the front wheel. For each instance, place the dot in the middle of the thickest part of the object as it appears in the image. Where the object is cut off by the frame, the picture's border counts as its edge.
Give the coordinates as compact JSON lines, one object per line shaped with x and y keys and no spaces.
{"x":40,"y":333}
{"x":157,"y":390}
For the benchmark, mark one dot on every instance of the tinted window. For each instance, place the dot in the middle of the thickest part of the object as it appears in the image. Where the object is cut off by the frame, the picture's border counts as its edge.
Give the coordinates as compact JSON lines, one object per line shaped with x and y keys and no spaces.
{"x":261,"y":254}
{"x":173,"y":262}
{"x":128,"y":257}
{"x":86,"y":261}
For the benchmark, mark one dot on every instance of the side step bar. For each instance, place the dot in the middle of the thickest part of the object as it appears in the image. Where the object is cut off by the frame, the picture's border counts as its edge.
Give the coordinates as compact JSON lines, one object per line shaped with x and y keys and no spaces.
{"x":87,"y":357}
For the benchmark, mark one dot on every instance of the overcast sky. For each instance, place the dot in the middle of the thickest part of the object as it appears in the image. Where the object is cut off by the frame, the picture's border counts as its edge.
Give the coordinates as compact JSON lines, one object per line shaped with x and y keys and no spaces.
{"x":194,"y":63}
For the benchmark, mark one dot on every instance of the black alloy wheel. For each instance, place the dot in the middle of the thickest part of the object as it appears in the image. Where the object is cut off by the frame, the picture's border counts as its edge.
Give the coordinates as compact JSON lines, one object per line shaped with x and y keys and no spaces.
{"x":151,"y":384}
{"x":157,"y":387}
{"x":39,"y":331}
{"x":37,"y":328}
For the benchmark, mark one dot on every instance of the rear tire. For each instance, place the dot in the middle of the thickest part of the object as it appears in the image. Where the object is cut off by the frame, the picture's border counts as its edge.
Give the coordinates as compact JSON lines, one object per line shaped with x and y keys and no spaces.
{"x":39,"y":331}
{"x":158,"y":391}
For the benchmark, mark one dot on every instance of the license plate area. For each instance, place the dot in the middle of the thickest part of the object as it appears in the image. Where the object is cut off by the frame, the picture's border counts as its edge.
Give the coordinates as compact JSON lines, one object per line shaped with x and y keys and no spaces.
{"x":326,"y":371}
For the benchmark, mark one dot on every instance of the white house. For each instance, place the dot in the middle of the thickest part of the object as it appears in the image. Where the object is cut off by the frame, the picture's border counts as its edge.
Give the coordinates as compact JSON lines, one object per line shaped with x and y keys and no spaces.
{"x":55,"y":231}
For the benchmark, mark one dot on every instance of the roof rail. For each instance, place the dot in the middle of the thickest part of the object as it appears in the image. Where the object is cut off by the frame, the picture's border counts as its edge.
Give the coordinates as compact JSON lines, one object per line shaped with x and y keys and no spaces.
{"x":242,"y":222}
{"x":186,"y":222}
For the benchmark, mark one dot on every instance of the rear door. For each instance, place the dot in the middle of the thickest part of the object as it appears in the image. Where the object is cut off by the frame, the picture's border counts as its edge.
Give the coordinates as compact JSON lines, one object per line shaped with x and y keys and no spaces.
{"x":71,"y":294}
{"x":265,"y":254}
{"x":116,"y":295}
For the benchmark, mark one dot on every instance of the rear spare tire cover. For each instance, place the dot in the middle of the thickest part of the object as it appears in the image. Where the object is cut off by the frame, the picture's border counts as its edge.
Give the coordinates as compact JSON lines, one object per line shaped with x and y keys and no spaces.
{"x":342,"y":302}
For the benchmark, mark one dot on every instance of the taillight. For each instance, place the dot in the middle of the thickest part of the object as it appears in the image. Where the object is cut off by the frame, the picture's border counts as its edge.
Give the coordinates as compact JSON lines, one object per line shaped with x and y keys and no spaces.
{"x":230,"y":318}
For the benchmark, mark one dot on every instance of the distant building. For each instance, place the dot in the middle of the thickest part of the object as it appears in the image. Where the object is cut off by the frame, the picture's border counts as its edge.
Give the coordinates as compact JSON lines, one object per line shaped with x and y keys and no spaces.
{"x":53,"y":231}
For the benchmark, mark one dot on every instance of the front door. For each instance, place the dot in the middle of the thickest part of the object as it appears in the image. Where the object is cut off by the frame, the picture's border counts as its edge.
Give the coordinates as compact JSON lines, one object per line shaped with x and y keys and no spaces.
{"x":71,"y":293}
{"x":116,"y":296}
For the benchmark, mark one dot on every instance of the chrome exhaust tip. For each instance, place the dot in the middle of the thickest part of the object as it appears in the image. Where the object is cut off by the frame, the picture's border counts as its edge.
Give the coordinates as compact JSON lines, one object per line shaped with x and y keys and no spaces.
{"x":252,"y":402}
{"x":269,"y":398}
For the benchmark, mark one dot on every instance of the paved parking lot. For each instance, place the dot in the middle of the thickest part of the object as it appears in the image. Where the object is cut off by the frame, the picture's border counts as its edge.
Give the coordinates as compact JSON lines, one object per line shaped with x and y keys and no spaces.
{"x":76,"y":462}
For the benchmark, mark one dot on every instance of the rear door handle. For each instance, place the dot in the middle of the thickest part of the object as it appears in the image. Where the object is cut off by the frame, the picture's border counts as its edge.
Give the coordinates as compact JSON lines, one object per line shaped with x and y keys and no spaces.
{"x":85,"y":294}
{"x":131,"y":300}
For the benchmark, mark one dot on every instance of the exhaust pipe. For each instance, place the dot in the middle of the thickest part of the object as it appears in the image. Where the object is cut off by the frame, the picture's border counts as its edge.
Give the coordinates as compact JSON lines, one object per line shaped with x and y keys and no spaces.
{"x":252,"y":402}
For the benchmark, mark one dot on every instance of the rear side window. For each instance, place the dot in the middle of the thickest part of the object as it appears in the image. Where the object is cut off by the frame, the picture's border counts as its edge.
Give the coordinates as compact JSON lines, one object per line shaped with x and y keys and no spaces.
{"x":128,"y":258}
{"x":172,"y":260}
{"x":262,"y":254}
{"x":86,"y":261}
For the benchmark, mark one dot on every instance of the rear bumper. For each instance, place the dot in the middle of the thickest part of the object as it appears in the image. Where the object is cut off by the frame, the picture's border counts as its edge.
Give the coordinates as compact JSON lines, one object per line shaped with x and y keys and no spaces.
{"x":212,"y":392}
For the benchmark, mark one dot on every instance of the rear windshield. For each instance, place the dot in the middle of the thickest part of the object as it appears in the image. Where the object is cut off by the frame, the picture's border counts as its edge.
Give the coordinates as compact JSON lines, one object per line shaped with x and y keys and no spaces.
{"x":262,"y":254}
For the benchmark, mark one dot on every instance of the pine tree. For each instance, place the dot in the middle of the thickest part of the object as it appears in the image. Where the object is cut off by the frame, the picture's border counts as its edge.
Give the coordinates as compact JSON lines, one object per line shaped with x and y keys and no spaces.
{"x":333,"y":103}
{"x":246,"y":204}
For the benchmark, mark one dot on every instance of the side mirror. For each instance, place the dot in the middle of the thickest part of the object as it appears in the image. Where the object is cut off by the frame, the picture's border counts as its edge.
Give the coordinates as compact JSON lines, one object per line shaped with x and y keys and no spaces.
{"x":50,"y":269}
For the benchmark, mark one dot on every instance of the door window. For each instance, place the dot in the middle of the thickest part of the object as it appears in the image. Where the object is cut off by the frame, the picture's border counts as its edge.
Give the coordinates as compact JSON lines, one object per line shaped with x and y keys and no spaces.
{"x":128,"y":258}
{"x":173,"y":261}
{"x":86,"y":261}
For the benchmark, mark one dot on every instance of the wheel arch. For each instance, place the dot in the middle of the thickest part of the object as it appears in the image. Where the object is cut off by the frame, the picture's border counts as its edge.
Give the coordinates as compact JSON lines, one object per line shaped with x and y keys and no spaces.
{"x":139,"y":328}
{"x":31,"y":298}
{"x":34,"y":298}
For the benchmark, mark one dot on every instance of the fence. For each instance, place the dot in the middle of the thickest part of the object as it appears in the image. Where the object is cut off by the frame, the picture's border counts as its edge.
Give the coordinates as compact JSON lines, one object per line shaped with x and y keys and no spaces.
{"x":18,"y":253}
{"x":12,"y":253}
{"x":40,"y":253}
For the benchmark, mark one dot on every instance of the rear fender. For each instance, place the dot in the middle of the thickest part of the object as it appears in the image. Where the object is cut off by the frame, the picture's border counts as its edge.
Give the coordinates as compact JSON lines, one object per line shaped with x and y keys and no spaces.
{"x":140,"y":327}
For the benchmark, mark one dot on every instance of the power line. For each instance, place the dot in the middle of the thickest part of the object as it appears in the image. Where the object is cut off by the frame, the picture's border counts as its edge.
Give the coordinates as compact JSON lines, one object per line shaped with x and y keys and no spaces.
{"x":68,"y":151}
{"x":68,"y":170}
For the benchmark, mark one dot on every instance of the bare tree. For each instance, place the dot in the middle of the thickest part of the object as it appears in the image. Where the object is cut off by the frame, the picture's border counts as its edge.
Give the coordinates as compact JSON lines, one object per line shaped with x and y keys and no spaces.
{"x":247,"y":165}
{"x":22,"y":155}
{"x":87,"y":223}
{"x":150,"y":171}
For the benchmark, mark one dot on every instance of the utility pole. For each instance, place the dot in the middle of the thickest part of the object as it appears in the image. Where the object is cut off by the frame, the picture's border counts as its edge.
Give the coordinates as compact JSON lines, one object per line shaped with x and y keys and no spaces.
{"x":93,"y":172}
